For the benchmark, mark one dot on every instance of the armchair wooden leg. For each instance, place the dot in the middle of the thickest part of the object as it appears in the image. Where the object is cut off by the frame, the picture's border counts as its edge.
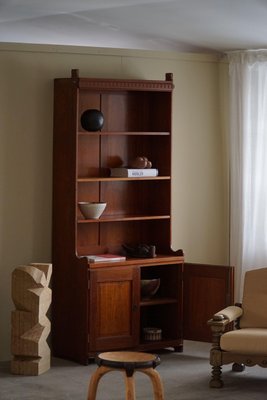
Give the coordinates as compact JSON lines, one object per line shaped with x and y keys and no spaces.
{"x":238,"y":367}
{"x":216,"y":381}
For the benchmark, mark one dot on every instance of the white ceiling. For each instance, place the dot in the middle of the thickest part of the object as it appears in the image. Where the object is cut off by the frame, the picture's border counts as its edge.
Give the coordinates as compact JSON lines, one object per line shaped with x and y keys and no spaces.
{"x":183,"y":25}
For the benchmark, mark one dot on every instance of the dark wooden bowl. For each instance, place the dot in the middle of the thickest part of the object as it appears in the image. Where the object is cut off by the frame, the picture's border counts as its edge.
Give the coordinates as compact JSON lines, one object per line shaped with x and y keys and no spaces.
{"x":149,"y":287}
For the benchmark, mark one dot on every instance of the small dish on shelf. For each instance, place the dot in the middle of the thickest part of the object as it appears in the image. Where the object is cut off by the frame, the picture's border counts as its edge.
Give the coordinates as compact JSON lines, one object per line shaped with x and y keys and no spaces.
{"x":91,"y":210}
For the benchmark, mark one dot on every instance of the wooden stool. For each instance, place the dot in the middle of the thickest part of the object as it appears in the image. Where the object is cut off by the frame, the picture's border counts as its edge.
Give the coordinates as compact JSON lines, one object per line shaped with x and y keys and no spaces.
{"x":128,"y":362}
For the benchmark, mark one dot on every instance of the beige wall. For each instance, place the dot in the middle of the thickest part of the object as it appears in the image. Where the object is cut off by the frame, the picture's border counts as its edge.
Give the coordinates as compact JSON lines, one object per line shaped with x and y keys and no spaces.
{"x":200,"y":207}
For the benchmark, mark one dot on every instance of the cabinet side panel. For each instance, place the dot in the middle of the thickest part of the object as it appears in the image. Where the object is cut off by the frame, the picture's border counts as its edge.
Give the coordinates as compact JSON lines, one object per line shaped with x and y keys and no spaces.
{"x":70,"y":280}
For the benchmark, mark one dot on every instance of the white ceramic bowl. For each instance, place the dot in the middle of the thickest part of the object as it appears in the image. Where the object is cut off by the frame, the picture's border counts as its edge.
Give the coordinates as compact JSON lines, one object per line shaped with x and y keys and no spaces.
{"x":91,"y":209}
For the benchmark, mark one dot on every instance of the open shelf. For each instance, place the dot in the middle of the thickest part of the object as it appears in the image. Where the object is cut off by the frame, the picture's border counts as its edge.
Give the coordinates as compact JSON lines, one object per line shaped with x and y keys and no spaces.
{"x":123,"y":218}
{"x":156,"y":301}
{"x":109,"y":133}
{"x":109,"y":179}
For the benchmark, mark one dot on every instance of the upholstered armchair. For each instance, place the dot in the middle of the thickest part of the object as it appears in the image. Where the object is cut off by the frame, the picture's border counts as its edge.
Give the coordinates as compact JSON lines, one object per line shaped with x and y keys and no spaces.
{"x":240,"y":332}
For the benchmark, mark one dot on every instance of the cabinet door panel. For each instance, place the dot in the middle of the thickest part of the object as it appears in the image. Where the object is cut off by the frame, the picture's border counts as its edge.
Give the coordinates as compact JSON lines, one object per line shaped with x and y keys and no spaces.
{"x":114,"y":320}
{"x":207,"y":289}
{"x":115,"y":302}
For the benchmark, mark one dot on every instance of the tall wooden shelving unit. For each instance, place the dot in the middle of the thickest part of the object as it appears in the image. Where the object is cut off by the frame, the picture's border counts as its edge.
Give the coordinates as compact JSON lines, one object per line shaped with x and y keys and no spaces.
{"x":99,"y":307}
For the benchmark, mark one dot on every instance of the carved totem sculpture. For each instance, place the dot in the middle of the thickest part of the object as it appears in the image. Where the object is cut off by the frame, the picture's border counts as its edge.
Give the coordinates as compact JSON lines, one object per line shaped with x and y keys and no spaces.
{"x":30,"y":326}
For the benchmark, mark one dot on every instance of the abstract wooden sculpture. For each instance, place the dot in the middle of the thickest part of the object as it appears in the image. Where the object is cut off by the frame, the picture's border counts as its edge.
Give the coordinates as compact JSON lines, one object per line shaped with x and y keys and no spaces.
{"x":30,"y":326}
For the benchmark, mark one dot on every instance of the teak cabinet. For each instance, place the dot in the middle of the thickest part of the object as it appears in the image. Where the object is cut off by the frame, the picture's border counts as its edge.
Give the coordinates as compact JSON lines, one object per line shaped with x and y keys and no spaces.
{"x":99,"y":307}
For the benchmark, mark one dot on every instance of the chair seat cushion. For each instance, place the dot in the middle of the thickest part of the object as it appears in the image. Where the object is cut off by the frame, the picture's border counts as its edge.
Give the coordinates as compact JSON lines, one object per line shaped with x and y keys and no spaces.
{"x":245,"y":341}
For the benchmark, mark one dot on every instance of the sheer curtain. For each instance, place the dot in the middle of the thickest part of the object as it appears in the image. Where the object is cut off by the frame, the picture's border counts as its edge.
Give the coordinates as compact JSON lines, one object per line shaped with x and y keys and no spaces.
{"x":248,"y":162}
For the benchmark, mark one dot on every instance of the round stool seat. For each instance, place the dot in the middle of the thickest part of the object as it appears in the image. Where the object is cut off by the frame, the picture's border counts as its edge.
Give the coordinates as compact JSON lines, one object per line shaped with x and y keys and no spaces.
{"x":128,"y":360}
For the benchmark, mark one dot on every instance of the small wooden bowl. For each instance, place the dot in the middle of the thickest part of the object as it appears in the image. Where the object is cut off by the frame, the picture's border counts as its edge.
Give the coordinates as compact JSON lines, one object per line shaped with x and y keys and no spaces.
{"x":149,"y":287}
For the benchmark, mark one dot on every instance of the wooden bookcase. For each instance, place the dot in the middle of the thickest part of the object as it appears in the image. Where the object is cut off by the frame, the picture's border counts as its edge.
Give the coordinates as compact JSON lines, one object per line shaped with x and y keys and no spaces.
{"x":98,"y":307}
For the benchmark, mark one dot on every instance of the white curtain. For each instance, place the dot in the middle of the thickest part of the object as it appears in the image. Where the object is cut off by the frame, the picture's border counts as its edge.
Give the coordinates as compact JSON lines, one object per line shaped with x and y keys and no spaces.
{"x":248,"y":163}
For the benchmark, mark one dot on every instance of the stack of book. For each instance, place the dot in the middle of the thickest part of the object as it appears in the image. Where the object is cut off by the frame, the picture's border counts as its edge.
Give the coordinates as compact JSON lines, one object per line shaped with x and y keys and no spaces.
{"x":98,"y":258}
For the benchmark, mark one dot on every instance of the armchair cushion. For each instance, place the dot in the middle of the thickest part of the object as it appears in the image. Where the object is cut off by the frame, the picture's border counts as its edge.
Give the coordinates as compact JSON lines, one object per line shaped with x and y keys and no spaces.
{"x":245,"y":341}
{"x":254,"y":301}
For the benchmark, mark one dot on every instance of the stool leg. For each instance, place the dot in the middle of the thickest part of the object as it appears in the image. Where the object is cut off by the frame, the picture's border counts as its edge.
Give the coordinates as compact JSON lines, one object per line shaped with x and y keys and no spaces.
{"x":95,"y":378}
{"x":156,"y":382}
{"x":129,"y":387}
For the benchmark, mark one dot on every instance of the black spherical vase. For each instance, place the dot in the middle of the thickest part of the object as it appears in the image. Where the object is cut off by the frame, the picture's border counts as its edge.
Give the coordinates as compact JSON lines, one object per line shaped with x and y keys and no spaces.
{"x":92,"y":120}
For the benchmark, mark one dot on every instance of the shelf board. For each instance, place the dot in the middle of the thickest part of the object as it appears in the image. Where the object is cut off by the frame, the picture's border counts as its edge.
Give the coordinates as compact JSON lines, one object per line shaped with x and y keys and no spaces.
{"x":163,"y":343}
{"x":122,"y":218}
{"x":119,"y":133}
{"x":109,"y":179}
{"x":160,"y":259}
{"x":157,"y":301}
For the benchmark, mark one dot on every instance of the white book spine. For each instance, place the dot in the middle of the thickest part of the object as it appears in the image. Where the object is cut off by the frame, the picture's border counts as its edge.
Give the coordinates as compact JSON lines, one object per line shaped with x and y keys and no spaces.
{"x":133,"y":173}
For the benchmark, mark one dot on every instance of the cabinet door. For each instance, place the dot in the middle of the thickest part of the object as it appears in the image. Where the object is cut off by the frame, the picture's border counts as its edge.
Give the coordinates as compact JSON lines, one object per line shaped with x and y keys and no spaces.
{"x":114,"y":311}
{"x":207,"y":289}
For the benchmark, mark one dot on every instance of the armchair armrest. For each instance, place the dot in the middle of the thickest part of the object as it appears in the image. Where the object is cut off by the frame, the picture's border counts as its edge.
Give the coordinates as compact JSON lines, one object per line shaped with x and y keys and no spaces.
{"x":220,"y":321}
{"x":230,"y":313}
{"x":224,"y":317}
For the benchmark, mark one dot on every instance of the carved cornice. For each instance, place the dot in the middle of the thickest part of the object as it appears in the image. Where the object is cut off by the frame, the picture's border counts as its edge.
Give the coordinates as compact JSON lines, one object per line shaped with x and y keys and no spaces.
{"x":124,"y":84}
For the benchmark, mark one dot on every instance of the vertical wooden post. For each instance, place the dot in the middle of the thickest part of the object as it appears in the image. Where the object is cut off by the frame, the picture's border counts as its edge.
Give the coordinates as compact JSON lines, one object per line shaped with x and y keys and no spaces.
{"x":30,"y":326}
